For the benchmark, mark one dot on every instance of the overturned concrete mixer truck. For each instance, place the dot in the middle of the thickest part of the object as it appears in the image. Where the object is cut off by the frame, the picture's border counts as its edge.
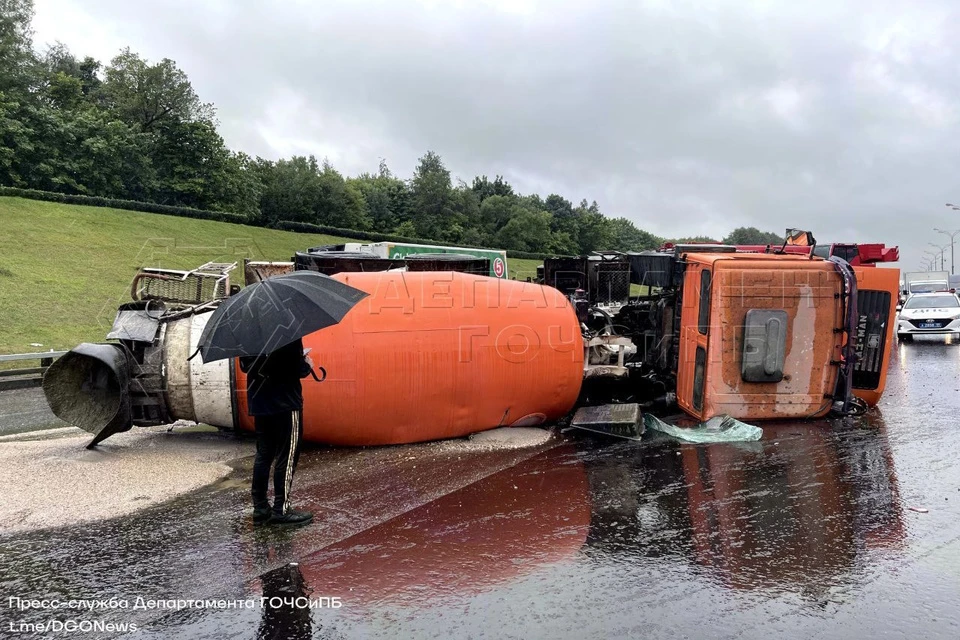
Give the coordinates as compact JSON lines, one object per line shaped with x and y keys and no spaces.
{"x":442,"y":354}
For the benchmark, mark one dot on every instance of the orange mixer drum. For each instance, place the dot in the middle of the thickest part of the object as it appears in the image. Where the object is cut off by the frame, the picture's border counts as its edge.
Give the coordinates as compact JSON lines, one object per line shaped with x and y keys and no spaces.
{"x":434,"y":355}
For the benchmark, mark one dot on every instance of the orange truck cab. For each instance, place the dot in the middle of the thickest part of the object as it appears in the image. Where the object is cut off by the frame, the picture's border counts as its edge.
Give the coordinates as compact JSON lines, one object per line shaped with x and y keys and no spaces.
{"x":760,"y":336}
{"x":755,"y":336}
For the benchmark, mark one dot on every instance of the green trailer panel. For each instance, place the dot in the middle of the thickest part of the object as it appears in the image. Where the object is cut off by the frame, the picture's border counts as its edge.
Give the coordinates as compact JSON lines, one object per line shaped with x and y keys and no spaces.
{"x":498,"y":259}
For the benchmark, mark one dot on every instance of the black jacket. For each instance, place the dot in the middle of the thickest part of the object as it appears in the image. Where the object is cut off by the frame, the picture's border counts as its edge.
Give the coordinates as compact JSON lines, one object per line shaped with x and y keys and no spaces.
{"x":273,"y":380}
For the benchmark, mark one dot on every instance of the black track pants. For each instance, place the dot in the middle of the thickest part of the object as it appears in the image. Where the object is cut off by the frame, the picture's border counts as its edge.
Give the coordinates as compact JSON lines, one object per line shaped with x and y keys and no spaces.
{"x":278,"y":440}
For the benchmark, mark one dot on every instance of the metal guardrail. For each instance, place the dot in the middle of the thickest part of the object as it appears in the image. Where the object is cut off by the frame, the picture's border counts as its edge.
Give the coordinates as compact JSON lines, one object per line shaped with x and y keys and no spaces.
{"x":26,"y":377}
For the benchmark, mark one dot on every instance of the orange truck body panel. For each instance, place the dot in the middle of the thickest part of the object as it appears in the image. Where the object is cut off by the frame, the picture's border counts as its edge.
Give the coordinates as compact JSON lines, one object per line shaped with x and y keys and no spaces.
{"x":885,"y":283}
{"x":709,"y":380}
{"x":430,"y":355}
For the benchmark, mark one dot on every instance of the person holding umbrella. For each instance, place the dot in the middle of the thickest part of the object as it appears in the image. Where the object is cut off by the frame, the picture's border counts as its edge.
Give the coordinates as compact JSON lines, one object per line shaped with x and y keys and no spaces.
{"x":275,"y":400}
{"x":263,"y":326}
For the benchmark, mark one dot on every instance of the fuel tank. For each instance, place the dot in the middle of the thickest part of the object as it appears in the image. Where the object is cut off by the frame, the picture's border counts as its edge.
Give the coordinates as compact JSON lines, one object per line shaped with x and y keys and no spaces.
{"x":438,"y":355}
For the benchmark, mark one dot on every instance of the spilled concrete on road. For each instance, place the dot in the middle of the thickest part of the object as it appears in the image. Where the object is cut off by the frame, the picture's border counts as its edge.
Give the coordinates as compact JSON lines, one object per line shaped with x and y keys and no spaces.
{"x":60,"y":483}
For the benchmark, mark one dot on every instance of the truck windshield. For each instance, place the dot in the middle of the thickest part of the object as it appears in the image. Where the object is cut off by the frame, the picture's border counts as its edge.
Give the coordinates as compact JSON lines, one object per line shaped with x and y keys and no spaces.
{"x":932,"y":302}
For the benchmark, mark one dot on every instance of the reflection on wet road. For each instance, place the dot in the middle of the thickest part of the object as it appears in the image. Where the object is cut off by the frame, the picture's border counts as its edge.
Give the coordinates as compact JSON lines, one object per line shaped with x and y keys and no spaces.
{"x":807,"y":533}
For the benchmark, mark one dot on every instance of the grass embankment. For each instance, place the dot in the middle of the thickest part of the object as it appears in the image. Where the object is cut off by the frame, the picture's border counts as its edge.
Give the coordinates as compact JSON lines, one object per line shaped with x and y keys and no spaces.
{"x":64,"y":269}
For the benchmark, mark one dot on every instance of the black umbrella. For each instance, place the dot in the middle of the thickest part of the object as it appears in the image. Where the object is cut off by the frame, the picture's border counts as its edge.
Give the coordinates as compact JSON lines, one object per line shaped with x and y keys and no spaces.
{"x":270,"y":314}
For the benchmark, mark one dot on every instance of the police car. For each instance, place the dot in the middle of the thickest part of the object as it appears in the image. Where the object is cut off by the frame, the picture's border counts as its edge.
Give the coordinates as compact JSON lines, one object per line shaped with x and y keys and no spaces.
{"x":929,"y":313}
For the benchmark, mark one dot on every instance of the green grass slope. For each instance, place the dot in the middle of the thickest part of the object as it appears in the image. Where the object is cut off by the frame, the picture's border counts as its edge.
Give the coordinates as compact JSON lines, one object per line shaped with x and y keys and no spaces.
{"x":64,"y":269}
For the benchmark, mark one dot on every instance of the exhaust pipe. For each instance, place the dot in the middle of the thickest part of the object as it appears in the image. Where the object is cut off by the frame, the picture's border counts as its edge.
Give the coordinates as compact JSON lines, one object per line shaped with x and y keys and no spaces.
{"x":89,"y":388}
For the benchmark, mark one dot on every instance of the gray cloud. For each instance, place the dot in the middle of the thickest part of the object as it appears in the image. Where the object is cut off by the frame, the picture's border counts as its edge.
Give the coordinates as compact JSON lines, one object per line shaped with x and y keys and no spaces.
{"x":839,"y":117}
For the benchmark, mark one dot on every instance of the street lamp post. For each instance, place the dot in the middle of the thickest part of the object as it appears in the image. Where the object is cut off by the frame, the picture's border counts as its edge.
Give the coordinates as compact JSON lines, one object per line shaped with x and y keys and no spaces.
{"x":952,"y":235}
{"x":941,"y":249}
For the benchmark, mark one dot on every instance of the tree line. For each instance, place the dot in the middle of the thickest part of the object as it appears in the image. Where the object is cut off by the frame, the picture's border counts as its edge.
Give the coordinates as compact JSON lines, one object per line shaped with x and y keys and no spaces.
{"x":132,"y":129}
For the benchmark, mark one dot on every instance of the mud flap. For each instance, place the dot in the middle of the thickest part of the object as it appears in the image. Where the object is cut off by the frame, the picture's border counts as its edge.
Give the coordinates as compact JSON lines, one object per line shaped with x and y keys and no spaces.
{"x":88,"y":388}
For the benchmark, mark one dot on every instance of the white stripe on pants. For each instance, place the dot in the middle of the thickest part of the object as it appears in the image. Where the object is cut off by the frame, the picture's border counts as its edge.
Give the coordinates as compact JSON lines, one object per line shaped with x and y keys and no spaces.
{"x":291,"y":459}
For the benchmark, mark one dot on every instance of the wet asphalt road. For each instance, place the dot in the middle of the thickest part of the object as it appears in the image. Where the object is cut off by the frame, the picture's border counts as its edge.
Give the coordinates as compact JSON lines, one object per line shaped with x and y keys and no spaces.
{"x":809,"y":533}
{"x":25,"y":410}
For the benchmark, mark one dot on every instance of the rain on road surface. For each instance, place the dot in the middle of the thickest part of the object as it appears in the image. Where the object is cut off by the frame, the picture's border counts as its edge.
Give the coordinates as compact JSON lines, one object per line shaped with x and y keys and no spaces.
{"x":807,"y":533}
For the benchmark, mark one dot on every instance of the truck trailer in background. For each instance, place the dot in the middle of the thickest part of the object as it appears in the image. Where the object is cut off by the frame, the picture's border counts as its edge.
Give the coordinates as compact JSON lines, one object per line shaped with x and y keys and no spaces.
{"x":925,"y":282}
{"x":403,"y":250}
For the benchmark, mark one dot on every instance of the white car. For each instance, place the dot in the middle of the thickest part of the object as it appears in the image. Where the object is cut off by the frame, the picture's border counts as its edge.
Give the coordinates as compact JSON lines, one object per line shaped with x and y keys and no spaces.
{"x":929,"y":313}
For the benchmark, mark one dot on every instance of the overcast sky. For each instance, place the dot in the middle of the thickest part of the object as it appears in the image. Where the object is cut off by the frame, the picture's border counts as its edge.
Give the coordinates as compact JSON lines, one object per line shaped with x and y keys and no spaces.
{"x":689,"y":118}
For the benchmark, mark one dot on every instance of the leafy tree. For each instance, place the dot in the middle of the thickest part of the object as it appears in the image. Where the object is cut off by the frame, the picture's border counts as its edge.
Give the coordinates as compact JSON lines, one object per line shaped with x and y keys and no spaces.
{"x":387,"y":198}
{"x":59,"y":61}
{"x":494,"y":213}
{"x":16,"y":143}
{"x":193,"y":166}
{"x":149,"y":96}
{"x":337,"y":203}
{"x":236,"y":187}
{"x":290,"y":189}
{"x":564,"y":220}
{"x":594,"y":231}
{"x":752,"y":235}
{"x":559,"y":207}
{"x":561,"y":244}
{"x":466,"y":207}
{"x":474,"y":237}
{"x":90,"y":76}
{"x":109,"y":158}
{"x":405,"y":229}
{"x":17,"y":60}
{"x":432,"y":198}
{"x":484,"y":188}
{"x":376,"y":196}
{"x":302,"y":190}
{"x":526,"y":230}
{"x":64,"y":91}
{"x":625,"y":236}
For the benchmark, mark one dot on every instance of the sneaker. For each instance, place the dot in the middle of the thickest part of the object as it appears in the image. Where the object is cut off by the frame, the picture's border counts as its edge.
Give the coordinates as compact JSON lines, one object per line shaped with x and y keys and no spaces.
{"x":291,"y":517}
{"x":261,"y":514}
